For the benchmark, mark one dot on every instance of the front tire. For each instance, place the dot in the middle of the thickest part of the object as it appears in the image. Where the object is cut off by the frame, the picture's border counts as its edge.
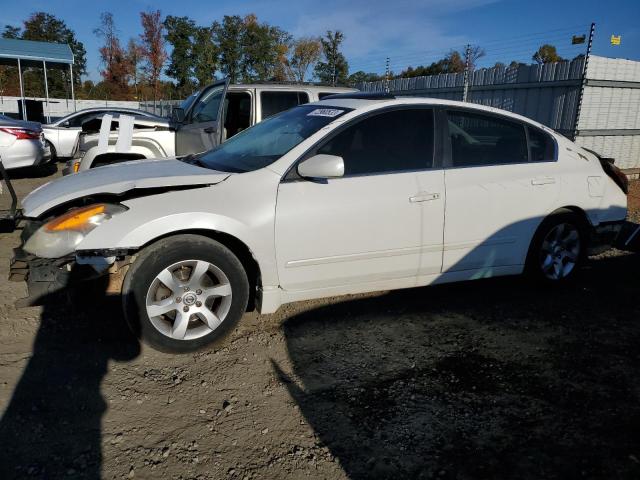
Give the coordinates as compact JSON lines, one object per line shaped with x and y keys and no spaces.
{"x":184,"y":292}
{"x":558,"y":248}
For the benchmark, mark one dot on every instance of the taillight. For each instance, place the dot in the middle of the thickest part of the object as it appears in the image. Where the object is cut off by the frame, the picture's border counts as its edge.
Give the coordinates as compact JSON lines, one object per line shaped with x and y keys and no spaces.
{"x":22,"y":133}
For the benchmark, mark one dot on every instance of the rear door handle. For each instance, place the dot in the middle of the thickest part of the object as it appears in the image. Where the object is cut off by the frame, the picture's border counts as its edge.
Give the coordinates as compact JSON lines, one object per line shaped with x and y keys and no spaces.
{"x":543,"y":181}
{"x":424,"y":197}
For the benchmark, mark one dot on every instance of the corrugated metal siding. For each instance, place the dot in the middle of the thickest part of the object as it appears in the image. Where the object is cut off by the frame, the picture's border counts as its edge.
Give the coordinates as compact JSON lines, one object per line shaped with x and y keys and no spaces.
{"x":549,"y":94}
{"x":624,"y":148}
{"x":610,"y":108}
{"x":604,"y":68}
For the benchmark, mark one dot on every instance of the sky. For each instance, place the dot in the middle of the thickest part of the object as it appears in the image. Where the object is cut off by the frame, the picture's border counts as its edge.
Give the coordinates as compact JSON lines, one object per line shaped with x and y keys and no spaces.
{"x":409,"y":32}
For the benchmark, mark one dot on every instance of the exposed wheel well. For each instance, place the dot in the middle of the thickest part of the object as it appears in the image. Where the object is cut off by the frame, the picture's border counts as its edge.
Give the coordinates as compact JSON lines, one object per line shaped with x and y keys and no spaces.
{"x":238,"y":248}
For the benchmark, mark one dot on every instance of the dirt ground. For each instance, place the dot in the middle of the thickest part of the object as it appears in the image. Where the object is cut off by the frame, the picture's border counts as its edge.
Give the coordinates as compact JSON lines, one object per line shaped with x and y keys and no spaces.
{"x":490,"y":379}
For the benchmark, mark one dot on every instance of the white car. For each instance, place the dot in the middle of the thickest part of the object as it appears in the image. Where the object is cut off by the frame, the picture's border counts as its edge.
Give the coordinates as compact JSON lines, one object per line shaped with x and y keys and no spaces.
{"x":21,"y":144}
{"x":62,"y":135}
{"x":355,"y":193}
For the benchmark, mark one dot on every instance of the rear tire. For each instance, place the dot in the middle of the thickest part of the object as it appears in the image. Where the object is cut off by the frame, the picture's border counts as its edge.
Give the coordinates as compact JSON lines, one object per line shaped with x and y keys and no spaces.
{"x":54,"y":154}
{"x":558,"y":248}
{"x":185,"y":292}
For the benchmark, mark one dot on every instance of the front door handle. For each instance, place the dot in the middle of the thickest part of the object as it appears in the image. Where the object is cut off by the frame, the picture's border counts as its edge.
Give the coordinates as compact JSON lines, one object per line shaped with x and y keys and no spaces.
{"x":543,"y":181}
{"x":210,"y":130}
{"x":424,"y":197}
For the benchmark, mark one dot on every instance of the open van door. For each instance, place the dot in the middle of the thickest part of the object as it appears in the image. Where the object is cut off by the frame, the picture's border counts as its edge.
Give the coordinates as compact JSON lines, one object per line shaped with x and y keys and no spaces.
{"x":200,"y":129}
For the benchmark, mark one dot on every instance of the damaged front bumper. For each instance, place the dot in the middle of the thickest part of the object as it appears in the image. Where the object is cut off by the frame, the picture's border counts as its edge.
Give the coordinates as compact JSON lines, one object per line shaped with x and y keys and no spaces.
{"x":46,"y":277}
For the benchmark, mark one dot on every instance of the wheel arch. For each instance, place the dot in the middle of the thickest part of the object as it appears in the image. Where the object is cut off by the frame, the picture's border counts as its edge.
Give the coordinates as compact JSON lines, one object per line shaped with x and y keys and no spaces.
{"x":239,"y":248}
{"x":113,"y":157}
{"x":587,"y":225}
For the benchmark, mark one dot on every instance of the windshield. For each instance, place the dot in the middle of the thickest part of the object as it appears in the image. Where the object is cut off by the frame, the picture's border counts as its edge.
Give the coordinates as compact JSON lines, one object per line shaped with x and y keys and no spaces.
{"x":265,"y":142}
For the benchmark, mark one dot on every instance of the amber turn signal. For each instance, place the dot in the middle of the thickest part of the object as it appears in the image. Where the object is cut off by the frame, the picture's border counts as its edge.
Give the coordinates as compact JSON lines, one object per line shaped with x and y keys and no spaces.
{"x":75,"y":219}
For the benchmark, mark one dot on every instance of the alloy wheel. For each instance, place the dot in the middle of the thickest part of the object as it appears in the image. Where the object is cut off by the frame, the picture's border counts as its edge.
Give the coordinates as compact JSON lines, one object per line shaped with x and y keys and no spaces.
{"x":188,"y":299}
{"x":560,"y":251}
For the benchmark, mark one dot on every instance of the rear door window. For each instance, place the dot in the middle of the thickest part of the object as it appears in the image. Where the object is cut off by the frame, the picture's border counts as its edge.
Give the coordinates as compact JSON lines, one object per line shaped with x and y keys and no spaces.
{"x":276,"y":102}
{"x":478,"y":139}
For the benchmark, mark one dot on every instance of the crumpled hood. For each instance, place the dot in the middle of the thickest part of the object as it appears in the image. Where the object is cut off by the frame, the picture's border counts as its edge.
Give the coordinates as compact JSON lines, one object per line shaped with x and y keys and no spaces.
{"x":116,"y":179}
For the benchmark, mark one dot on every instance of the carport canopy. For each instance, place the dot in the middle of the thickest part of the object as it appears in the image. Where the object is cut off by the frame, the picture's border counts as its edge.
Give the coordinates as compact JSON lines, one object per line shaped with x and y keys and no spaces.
{"x":29,"y":53}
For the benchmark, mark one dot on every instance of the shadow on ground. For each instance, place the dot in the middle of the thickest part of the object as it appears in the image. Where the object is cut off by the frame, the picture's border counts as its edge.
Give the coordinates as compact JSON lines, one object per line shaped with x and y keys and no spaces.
{"x":39,"y":171}
{"x":488,"y":379}
{"x":52,"y":426}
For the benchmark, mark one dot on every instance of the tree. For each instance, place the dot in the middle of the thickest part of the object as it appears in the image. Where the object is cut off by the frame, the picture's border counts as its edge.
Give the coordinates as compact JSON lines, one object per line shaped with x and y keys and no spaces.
{"x":205,"y":56}
{"x":546,"y":54}
{"x":361,"y":76}
{"x":11,"y":32}
{"x":435,"y":68}
{"x":472,"y":55}
{"x":333,"y":69}
{"x":116,"y":68}
{"x":153,"y":51}
{"x":44,"y":27}
{"x":180,"y":34}
{"x":134,"y":55}
{"x":453,"y":62}
{"x":305,"y":52}
{"x":8,"y":73}
{"x":264,"y":50}
{"x":228,"y":36}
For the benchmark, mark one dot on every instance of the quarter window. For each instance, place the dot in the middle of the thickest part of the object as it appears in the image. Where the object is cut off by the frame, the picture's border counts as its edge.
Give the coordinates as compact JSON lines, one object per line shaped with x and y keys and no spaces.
{"x":276,"y":102}
{"x":478,"y":140}
{"x":541,"y":146}
{"x":394,"y":141}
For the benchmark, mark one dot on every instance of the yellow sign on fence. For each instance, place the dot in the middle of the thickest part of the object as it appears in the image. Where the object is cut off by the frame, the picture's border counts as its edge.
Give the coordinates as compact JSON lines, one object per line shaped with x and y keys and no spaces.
{"x":615,"y":39}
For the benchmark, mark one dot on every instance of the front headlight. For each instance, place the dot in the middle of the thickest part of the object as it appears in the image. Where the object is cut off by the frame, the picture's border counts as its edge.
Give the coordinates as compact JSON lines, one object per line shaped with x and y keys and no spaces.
{"x":60,"y":236}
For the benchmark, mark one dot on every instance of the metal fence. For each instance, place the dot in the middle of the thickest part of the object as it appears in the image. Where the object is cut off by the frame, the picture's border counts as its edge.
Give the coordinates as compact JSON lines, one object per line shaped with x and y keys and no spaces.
{"x":609,"y":120}
{"x":162,"y":108}
{"x":546,"y":93}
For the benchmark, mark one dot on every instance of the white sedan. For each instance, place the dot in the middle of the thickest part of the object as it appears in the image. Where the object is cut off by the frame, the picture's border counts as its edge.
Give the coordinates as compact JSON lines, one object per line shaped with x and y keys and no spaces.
{"x":355,"y":193}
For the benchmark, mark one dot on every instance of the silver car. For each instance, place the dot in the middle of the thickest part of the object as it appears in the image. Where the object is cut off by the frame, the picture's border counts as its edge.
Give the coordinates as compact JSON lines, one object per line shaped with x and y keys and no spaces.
{"x":21,"y":143}
{"x":62,"y":135}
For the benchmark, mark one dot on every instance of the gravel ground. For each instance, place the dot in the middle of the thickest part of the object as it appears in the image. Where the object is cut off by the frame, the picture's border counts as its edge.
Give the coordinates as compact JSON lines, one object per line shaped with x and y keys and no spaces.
{"x":490,"y":379}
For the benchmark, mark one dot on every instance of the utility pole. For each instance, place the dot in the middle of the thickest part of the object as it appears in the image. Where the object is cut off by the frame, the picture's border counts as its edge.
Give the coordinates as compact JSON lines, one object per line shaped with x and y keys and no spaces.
{"x":387,"y":74}
{"x":583,"y":83}
{"x":467,"y":67}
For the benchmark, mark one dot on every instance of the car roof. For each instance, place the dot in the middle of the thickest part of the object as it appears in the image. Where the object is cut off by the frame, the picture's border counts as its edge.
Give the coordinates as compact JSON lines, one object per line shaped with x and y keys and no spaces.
{"x":108,"y":109}
{"x":6,"y":121}
{"x":291,"y":86}
{"x":373,"y":103}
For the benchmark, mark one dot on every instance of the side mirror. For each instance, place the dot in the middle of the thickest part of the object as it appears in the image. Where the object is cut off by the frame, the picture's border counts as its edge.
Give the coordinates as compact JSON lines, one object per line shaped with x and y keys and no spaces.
{"x":66,"y":124}
{"x":322,"y":166}
{"x":177,"y":114}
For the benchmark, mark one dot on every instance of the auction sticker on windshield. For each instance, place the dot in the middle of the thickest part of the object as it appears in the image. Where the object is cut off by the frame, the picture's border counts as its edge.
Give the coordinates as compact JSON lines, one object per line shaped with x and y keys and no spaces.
{"x":325,"y":112}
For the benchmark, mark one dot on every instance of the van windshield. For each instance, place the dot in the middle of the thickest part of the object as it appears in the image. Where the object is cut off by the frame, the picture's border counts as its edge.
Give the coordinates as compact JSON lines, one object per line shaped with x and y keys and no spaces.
{"x":267,"y":141}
